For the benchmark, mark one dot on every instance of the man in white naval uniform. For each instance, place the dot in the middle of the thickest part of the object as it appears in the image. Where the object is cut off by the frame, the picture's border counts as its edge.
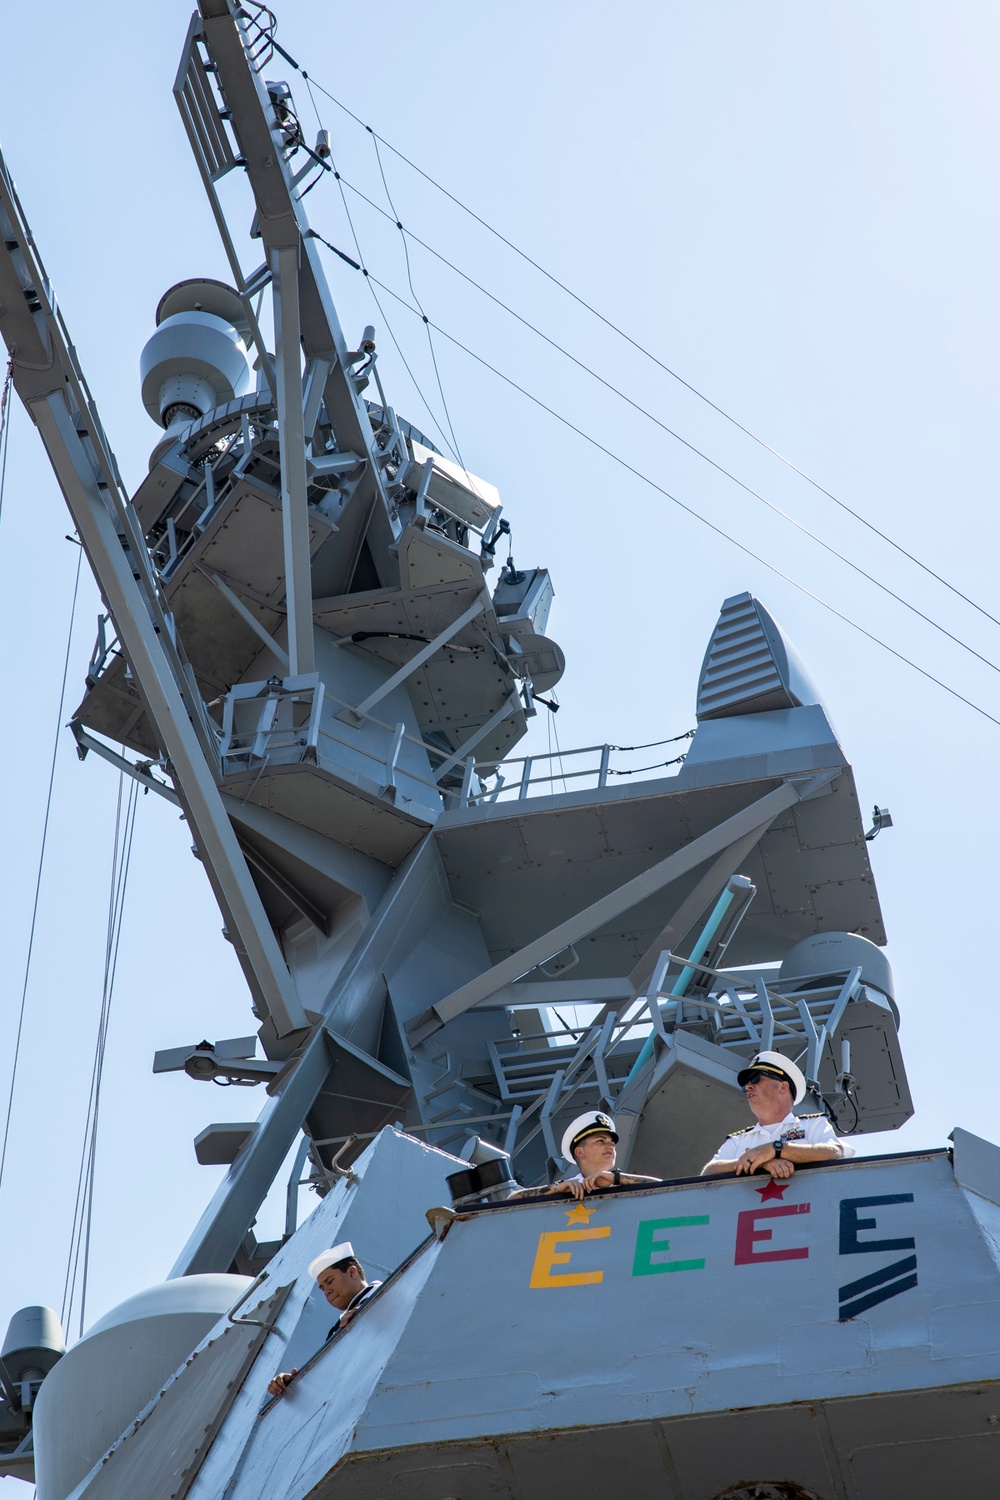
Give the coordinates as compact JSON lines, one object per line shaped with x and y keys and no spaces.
{"x":341,"y":1278}
{"x":780,"y":1141}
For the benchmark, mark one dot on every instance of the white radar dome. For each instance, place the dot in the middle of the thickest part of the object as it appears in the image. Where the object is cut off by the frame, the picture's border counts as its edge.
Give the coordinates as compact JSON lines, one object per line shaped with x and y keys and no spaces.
{"x":818,"y":959}
{"x":100,"y":1385}
{"x":194,"y":362}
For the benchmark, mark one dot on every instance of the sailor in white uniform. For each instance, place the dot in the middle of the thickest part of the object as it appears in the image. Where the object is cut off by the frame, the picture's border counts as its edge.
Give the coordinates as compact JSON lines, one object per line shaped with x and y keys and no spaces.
{"x":589,"y":1141}
{"x":341,"y":1278}
{"x":780,"y":1140}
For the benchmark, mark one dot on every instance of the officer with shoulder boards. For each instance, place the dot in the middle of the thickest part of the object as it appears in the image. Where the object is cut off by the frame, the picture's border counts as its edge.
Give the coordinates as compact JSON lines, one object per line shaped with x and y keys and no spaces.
{"x":780,"y":1140}
{"x":590,"y":1142}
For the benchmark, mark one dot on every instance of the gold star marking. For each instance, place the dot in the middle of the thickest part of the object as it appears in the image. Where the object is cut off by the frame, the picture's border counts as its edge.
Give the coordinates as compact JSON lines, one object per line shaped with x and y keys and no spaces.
{"x":579,"y":1214}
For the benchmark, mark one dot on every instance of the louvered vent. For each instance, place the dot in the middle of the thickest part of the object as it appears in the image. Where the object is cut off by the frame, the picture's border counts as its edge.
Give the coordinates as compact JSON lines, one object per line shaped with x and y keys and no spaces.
{"x":746,"y":666}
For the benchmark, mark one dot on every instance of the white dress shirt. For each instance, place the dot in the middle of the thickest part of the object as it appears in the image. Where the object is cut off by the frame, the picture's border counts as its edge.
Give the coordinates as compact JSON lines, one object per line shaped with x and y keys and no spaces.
{"x":797,"y":1130}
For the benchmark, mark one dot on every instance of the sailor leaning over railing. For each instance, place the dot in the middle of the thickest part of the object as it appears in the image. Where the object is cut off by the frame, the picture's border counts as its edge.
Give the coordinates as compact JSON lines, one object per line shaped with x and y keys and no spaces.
{"x":342,"y":1280}
{"x":590,"y":1142}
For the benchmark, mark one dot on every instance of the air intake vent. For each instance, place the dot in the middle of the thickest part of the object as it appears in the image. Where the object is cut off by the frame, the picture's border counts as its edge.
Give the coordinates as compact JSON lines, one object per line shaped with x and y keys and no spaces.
{"x":749,"y":667}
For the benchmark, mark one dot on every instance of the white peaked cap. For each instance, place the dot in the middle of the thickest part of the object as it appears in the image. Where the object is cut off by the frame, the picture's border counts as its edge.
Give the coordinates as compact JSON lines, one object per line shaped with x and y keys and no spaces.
{"x":776,"y":1062}
{"x":592,"y":1123}
{"x":331,"y":1258}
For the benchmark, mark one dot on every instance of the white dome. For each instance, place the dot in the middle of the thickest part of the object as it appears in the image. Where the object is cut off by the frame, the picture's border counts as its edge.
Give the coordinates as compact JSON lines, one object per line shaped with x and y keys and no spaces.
{"x":100,"y":1385}
{"x":185,"y":1294}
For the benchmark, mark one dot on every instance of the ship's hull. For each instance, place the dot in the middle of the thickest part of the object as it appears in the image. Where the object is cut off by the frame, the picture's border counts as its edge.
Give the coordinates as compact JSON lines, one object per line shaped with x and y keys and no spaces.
{"x":839,"y":1333}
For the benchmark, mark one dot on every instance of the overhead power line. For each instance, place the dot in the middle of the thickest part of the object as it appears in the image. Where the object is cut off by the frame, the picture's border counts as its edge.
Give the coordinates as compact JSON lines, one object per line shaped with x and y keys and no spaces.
{"x":640,"y":348}
{"x":651,"y":417}
{"x":674,"y":499}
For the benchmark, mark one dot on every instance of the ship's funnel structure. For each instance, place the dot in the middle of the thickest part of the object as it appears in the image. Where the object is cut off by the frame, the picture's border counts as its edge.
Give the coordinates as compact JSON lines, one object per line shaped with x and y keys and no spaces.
{"x":197,"y":359}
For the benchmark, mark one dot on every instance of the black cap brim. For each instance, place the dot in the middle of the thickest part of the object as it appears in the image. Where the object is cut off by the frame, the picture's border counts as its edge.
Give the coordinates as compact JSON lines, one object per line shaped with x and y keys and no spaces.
{"x":769,"y":1071}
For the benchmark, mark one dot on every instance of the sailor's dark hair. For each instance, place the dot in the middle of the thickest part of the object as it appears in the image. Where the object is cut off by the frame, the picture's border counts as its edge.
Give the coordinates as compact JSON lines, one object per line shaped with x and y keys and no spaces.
{"x":345,"y":1265}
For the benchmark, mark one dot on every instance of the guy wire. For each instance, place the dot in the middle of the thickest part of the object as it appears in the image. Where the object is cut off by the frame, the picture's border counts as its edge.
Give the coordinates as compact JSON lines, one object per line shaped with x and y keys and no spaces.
{"x":648,"y":354}
{"x":382,"y":314}
{"x":663,"y":426}
{"x":38,"y":872}
{"x":668,"y":495}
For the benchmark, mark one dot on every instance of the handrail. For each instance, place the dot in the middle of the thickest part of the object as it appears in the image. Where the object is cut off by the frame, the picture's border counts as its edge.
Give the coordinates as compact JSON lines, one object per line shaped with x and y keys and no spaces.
{"x":519,"y":785}
{"x":278,"y":737}
{"x":809,"y":1018}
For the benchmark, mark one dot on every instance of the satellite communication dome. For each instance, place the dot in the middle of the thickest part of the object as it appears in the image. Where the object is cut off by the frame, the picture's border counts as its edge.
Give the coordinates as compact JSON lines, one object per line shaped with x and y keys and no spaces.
{"x":816,"y":960}
{"x":100,"y":1385}
{"x":197,"y":358}
{"x":33,"y":1344}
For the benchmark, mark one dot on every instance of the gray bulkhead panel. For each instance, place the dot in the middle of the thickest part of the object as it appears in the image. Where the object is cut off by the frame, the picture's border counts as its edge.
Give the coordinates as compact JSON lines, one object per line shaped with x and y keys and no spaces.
{"x":204,"y":1411}
{"x":840,"y":1338}
{"x":418,"y":944}
{"x":527,"y":867}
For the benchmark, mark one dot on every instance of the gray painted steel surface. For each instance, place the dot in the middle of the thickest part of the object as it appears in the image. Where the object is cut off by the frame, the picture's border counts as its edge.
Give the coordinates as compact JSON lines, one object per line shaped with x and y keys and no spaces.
{"x":317,"y":661}
{"x":394,"y":900}
{"x":664,"y":1308}
{"x":841,"y":1331}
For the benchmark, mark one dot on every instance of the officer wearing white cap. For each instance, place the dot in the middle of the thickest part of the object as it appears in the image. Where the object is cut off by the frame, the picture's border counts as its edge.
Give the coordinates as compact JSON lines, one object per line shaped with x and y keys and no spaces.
{"x":780,"y":1140}
{"x":341,"y":1278}
{"x":590,"y":1142}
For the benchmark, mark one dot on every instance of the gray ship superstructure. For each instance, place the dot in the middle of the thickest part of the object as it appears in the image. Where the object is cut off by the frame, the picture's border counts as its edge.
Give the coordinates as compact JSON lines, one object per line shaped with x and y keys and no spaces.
{"x":311,"y":649}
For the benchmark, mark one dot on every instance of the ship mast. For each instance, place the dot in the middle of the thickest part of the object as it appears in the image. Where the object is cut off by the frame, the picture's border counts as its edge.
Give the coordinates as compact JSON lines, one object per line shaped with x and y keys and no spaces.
{"x":337,"y":477}
{"x":48,"y":379}
{"x":310,"y":650}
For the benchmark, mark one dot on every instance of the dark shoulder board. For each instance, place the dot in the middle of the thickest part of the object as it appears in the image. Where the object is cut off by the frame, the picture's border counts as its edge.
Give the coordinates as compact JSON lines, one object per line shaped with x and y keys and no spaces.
{"x":819,"y":1115}
{"x":745,"y":1131}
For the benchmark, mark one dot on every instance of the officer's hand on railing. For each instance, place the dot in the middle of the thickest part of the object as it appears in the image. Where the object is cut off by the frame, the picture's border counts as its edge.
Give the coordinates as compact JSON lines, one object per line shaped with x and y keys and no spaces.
{"x":763,"y":1157}
{"x":599,"y":1180}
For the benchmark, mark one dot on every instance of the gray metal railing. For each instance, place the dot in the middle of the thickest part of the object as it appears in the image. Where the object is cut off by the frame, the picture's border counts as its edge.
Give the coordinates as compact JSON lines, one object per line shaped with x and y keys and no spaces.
{"x":744,"y":1015}
{"x":545,"y":773}
{"x":277,"y":727}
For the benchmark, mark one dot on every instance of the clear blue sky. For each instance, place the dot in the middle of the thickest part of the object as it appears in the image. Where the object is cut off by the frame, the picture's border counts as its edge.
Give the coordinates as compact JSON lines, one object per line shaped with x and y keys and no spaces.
{"x":795,"y":207}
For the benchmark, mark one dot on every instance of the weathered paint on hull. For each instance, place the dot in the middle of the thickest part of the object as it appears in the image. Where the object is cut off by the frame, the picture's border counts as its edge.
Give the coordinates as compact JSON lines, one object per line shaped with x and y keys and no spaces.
{"x":905,"y":1446}
{"x":665,"y":1347}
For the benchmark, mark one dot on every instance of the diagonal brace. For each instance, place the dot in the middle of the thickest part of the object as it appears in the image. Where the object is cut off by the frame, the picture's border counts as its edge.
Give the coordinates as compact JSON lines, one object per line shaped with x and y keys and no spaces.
{"x":511,"y":706}
{"x":232,"y":598}
{"x":284,"y":261}
{"x":708,"y":887}
{"x":356,"y":715}
{"x":756,"y":818}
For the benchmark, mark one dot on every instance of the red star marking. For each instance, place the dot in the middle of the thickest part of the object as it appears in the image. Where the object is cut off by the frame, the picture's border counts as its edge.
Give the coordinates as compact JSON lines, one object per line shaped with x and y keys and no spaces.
{"x":773,"y":1189}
